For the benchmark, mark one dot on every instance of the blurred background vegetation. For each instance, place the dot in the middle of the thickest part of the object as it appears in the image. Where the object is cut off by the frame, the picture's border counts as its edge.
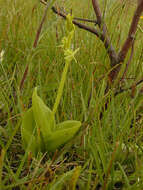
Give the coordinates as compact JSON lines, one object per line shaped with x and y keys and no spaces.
{"x":108,"y":152}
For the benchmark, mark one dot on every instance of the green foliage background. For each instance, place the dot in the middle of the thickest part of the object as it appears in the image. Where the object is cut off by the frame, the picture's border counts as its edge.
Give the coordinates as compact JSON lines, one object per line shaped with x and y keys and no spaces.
{"x":108,"y":151}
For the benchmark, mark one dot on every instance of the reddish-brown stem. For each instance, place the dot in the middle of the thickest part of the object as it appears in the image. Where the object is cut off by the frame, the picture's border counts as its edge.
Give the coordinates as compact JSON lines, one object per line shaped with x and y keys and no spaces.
{"x":24,"y":77}
{"x":34,"y":45}
{"x":40,"y":27}
{"x":131,"y":35}
{"x":128,"y":42}
{"x":100,"y":22}
{"x":97,"y":11}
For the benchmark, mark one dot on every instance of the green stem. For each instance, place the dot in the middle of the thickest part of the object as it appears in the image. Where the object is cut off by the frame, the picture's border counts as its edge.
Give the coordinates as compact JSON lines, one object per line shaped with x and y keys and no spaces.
{"x":61,"y":86}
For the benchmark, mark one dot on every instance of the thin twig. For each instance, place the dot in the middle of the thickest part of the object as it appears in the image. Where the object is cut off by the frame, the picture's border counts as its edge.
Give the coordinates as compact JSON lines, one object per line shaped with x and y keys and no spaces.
{"x":24,"y":76}
{"x":41,"y":25}
{"x":35,"y":44}
{"x":86,"y":20}
{"x":130,"y":88}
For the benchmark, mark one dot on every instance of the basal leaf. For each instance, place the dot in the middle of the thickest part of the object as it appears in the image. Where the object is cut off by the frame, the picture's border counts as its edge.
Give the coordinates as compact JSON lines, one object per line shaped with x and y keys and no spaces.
{"x":28,"y":132}
{"x":60,"y":136}
{"x":43,"y":116}
{"x":68,"y":124}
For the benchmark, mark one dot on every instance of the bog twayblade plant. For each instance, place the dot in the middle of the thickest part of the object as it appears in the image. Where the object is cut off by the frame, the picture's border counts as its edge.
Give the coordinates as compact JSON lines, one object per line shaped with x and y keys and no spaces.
{"x":39,"y":130}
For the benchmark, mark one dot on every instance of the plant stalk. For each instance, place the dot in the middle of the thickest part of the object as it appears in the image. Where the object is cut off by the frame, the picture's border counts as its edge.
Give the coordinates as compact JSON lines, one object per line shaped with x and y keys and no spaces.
{"x":61,"y":86}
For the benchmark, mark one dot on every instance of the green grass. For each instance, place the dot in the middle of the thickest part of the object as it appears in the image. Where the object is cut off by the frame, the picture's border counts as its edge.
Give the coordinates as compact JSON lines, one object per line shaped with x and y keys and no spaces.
{"x":109,"y":151}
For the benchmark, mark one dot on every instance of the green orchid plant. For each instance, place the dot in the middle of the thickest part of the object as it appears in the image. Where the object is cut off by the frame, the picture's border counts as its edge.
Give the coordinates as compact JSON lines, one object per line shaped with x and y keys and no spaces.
{"x":39,"y":130}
